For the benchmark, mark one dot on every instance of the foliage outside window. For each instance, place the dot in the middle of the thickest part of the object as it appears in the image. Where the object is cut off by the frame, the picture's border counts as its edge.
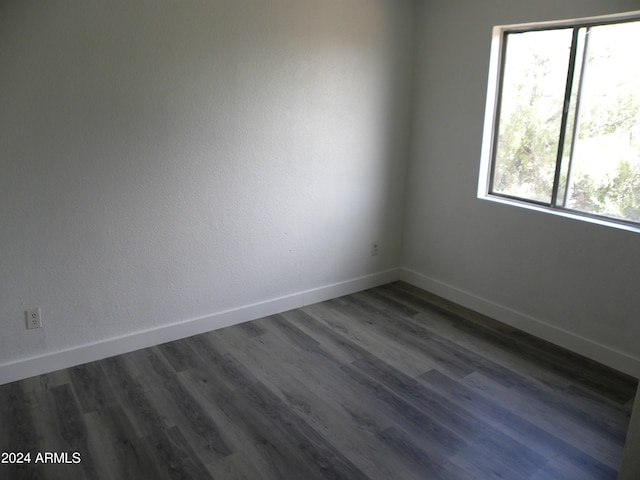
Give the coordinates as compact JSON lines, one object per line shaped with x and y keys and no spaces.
{"x":567,"y":119}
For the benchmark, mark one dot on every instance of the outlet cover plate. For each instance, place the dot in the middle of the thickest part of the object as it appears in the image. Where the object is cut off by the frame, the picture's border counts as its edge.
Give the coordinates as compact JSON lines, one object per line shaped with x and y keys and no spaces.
{"x":34,"y":318}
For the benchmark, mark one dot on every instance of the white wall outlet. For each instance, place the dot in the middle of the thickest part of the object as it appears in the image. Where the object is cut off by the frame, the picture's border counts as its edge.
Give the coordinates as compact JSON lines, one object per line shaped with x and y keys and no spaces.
{"x":374,"y":248}
{"x":34,"y":318}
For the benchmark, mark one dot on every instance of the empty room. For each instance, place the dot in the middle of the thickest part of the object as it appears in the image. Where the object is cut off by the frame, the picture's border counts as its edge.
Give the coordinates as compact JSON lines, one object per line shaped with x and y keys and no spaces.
{"x":313,"y":239}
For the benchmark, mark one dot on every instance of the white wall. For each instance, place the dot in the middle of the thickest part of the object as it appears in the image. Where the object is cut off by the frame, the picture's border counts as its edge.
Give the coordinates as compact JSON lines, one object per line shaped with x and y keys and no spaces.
{"x":165,"y":161}
{"x":168,"y":161}
{"x":571,"y":282}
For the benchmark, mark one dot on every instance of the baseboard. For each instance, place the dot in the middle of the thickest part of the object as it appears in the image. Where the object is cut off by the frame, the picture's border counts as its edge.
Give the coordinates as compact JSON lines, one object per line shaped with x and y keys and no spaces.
{"x":589,"y":348}
{"x":115,"y":346}
{"x":30,"y":367}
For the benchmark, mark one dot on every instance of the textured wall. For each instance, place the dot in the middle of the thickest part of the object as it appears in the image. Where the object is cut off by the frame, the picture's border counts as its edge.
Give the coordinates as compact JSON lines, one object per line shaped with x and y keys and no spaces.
{"x":580,"y":279}
{"x":162,"y":161}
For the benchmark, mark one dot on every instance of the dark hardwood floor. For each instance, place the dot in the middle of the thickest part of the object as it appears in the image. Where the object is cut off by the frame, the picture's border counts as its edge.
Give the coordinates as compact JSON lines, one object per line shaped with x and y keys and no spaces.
{"x":390,"y":383}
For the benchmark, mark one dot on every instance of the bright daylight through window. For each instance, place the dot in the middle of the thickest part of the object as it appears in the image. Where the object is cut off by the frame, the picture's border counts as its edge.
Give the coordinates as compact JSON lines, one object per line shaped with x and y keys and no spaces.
{"x":566,"y":123}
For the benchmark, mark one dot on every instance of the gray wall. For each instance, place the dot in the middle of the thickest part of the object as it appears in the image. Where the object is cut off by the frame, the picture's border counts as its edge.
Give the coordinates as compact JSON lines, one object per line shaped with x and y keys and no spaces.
{"x":163,"y":161}
{"x":571,"y":282}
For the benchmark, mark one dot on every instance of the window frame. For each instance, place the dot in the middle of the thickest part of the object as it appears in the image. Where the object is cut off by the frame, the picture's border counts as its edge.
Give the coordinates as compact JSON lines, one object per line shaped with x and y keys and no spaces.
{"x":492,"y":112}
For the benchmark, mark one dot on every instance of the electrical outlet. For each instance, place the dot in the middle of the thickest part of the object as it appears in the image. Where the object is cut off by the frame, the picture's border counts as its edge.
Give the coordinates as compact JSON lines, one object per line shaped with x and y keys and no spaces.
{"x":34,"y":318}
{"x":374,"y":248}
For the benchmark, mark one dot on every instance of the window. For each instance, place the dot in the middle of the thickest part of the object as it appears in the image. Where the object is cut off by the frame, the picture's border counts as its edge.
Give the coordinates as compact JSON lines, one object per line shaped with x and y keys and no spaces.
{"x":563,"y":120}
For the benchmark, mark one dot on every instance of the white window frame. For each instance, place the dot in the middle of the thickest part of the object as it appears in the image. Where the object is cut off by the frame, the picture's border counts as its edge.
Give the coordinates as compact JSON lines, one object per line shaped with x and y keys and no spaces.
{"x":491,"y":113}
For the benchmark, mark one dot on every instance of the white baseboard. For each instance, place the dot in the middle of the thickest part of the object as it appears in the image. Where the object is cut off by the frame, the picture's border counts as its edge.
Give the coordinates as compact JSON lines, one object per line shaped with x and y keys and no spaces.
{"x":115,"y":346}
{"x":589,"y":348}
{"x":30,"y":367}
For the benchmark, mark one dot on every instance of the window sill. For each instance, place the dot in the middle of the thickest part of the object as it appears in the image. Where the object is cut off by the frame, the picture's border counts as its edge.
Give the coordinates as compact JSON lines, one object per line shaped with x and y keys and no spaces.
{"x":562,"y":213}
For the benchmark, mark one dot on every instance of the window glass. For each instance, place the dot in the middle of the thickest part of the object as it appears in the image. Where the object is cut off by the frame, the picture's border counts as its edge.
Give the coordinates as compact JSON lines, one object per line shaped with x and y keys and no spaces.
{"x":567,"y":119}
{"x":533,"y":88}
{"x":604,"y":172}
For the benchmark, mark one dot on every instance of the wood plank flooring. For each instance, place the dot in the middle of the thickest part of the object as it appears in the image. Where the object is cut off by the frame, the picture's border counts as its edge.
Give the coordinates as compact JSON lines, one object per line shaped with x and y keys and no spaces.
{"x":390,"y":383}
